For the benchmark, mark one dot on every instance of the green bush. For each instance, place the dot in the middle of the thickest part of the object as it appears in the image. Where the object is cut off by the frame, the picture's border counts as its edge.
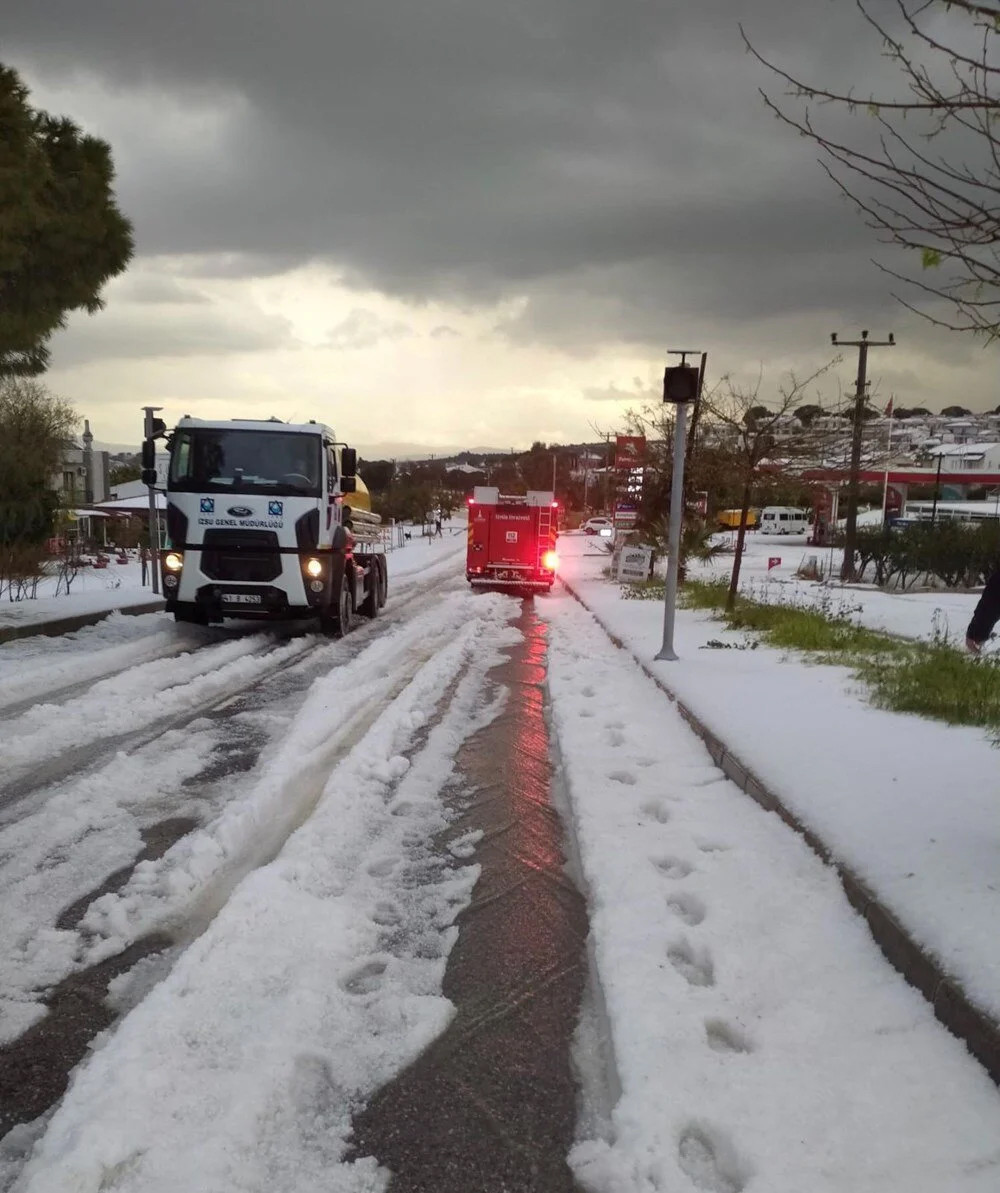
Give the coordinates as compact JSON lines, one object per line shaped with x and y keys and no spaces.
{"x":955,"y":553}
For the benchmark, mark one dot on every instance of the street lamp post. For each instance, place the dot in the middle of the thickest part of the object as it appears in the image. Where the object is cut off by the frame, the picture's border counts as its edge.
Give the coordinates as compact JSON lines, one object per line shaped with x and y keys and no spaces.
{"x":680,"y":388}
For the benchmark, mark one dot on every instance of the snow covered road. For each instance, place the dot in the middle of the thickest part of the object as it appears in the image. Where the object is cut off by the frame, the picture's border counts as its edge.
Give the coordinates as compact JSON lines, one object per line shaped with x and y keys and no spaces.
{"x":742,"y":1034}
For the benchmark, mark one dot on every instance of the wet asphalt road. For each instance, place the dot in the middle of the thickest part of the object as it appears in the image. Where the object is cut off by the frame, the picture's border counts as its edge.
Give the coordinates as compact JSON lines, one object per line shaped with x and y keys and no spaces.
{"x":491,"y":1105}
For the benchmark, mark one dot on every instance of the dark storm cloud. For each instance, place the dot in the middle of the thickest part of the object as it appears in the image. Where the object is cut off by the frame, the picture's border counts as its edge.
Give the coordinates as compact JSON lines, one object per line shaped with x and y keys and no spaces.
{"x":474,"y":150}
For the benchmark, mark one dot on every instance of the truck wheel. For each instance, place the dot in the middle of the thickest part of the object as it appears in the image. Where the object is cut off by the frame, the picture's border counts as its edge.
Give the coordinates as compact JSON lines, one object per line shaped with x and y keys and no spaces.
{"x":370,"y":605}
{"x":383,"y":579}
{"x":336,"y":621}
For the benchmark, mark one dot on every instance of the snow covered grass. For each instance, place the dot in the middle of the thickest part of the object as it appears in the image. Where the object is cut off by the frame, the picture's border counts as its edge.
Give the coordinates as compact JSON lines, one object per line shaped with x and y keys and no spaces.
{"x":932,"y":679}
{"x":936,"y":681}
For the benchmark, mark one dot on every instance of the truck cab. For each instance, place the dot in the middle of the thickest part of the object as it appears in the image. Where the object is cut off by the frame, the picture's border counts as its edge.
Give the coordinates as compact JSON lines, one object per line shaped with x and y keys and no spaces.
{"x":260,"y":524}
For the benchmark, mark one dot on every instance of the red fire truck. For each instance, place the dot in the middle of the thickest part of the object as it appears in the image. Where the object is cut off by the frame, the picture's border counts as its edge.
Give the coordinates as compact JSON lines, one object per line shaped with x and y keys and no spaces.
{"x":512,"y":540}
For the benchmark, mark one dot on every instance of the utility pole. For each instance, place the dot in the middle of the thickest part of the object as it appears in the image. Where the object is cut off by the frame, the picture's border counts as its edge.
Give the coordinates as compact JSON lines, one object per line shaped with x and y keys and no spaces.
{"x":681,"y":386}
{"x":152,"y":427}
{"x":851,"y":529}
{"x":937,"y":487}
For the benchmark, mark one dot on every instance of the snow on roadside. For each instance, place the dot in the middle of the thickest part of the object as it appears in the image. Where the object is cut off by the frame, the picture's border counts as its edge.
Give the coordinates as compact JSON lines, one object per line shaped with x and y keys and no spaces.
{"x":905,"y":614}
{"x":317,"y":981}
{"x":77,"y":667}
{"x":203,"y":866}
{"x":143,"y":696}
{"x":907,"y":803}
{"x":761,"y":1040}
{"x":94,"y":590}
{"x":89,"y":825}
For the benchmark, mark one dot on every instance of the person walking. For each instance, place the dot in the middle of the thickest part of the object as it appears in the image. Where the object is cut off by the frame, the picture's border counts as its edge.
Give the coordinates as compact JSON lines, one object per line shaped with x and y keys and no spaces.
{"x":437,"y":528}
{"x":986,"y":615}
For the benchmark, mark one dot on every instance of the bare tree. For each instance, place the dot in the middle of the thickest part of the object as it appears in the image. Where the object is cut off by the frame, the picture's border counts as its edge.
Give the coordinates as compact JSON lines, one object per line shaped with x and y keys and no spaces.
{"x":762,"y":437}
{"x":916,"y":187}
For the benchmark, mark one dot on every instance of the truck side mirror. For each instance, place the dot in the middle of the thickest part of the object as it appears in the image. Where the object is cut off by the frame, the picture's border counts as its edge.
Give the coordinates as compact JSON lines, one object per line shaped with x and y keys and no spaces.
{"x":348,"y":464}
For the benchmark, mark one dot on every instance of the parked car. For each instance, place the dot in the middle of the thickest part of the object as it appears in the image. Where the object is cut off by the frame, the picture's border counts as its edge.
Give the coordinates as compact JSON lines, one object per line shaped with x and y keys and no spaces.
{"x":602,"y":526}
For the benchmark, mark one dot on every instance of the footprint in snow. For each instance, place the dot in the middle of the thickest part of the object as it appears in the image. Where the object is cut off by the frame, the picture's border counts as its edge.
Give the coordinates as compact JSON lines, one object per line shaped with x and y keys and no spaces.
{"x":382,"y":868}
{"x":622,"y":776}
{"x":387,"y":915}
{"x":366,"y":979}
{"x":711,"y":846}
{"x":709,"y":1161}
{"x":723,"y":1037}
{"x":616,"y":737}
{"x":694,"y":965}
{"x":673,"y":867}
{"x":655,"y":810}
{"x":687,"y":907}
{"x":588,"y":692}
{"x":645,"y":762}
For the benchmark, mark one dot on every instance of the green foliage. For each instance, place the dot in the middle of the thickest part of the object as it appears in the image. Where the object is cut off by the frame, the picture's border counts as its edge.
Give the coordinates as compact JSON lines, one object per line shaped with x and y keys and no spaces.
{"x":33,"y":428}
{"x":931,"y":679}
{"x":957,"y":554}
{"x":61,"y":233}
{"x":936,"y":681}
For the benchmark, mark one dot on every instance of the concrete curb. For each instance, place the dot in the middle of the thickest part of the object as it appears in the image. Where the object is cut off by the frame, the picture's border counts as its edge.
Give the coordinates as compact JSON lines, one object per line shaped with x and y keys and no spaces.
{"x":65,"y":625}
{"x":952,"y":1006}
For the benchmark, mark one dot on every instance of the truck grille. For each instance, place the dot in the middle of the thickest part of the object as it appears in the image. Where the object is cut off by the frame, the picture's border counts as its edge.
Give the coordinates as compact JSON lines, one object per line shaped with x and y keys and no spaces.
{"x":248,"y":555}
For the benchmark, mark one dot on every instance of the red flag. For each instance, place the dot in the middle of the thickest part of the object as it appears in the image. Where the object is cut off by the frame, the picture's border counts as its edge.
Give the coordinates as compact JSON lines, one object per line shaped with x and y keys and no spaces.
{"x":888,"y":409}
{"x":773,"y":561}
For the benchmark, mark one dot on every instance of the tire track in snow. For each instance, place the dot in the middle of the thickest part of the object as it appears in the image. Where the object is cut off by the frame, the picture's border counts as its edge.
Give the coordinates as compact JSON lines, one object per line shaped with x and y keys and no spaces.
{"x":359,"y":881}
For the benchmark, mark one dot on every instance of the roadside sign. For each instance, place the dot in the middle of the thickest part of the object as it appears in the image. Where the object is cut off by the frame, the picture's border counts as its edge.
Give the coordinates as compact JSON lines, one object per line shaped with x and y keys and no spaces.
{"x":633,"y":563}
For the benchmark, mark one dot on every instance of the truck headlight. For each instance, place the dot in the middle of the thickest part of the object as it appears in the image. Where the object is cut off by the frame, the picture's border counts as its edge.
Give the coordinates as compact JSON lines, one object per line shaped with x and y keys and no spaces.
{"x":314,"y":567}
{"x":173,"y":561}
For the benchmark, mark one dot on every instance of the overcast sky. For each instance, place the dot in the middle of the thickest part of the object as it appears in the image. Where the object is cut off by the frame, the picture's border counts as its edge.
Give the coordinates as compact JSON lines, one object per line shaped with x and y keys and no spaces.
{"x":459,"y":223}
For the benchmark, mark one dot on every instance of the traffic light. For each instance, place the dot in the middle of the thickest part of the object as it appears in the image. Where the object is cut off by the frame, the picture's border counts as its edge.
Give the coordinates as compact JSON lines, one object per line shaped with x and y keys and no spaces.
{"x":680,"y":384}
{"x":149,"y":461}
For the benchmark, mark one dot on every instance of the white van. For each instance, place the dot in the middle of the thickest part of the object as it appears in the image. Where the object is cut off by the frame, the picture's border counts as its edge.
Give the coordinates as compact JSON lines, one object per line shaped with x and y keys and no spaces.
{"x":784,"y":519}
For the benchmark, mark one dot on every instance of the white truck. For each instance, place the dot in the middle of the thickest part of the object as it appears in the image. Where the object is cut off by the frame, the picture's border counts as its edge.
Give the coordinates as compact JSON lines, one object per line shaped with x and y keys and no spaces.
{"x":269,"y":520}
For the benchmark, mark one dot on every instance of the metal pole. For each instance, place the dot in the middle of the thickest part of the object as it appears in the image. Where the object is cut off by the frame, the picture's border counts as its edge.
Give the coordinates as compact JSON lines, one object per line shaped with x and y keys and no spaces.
{"x":154,"y":522}
{"x":888,"y":462}
{"x":937,"y":488}
{"x":851,"y":528}
{"x":674,"y":538}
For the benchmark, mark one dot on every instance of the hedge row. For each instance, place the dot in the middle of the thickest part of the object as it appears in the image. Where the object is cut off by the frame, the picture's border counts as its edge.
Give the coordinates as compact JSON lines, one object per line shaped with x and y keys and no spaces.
{"x":956,"y":554}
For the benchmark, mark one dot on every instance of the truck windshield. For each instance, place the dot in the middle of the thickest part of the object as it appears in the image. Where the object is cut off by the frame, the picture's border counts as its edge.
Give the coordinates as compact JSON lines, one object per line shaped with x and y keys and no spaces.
{"x":220,"y":460}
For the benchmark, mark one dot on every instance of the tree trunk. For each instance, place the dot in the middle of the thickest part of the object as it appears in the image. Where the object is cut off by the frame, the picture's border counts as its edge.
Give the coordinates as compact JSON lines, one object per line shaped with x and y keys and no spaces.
{"x":741,"y":535}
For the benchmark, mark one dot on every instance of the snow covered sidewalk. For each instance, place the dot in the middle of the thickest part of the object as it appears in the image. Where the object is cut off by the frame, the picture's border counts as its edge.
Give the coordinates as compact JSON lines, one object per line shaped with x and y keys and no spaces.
{"x":760,"y":1039}
{"x":908,"y":806}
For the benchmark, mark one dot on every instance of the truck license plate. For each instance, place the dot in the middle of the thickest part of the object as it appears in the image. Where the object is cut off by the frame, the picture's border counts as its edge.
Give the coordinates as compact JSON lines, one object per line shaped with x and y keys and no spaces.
{"x":242,"y":598}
